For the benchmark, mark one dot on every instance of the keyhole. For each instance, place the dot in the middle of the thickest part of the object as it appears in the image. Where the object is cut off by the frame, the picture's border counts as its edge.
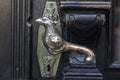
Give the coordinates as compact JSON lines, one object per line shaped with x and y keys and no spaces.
{"x":48,"y":68}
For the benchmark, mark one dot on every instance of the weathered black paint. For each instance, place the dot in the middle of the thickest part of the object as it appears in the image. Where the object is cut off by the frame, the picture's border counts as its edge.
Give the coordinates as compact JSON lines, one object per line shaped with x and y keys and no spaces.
{"x":18,"y":45}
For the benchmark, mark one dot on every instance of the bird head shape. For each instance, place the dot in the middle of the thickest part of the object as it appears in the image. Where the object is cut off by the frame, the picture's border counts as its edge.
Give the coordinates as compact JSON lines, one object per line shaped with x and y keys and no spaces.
{"x":46,"y":21}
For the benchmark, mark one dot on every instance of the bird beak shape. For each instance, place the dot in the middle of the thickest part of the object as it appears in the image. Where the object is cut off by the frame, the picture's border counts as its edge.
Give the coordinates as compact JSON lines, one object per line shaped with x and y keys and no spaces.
{"x":39,"y":20}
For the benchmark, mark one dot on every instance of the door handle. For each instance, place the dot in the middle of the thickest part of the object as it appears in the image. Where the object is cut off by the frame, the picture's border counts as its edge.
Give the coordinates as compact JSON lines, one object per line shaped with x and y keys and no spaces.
{"x":51,"y":45}
{"x":55,"y":44}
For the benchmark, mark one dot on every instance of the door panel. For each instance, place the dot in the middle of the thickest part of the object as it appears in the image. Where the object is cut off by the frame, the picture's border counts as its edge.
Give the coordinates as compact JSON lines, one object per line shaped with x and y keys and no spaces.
{"x":101,"y":51}
{"x":80,"y":25}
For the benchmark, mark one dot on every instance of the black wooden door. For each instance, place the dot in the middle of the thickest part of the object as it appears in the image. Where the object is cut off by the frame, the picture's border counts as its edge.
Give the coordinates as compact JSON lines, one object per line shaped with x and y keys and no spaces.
{"x":19,"y":37}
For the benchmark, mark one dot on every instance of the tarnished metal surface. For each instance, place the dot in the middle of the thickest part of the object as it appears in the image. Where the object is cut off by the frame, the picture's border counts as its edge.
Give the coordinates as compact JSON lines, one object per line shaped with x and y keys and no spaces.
{"x":55,"y":44}
{"x":48,"y":63}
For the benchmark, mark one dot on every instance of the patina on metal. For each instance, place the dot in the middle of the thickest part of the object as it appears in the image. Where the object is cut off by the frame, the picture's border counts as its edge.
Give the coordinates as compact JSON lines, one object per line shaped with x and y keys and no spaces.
{"x":51,"y":44}
{"x":56,"y":44}
{"x":48,"y":63}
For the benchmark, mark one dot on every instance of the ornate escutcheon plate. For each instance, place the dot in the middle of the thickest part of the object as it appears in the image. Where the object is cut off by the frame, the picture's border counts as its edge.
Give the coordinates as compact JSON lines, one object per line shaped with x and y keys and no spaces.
{"x":48,"y":63}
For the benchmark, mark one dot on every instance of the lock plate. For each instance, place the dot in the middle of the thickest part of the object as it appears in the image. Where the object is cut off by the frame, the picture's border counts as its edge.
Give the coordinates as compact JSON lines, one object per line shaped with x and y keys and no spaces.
{"x":48,"y":63}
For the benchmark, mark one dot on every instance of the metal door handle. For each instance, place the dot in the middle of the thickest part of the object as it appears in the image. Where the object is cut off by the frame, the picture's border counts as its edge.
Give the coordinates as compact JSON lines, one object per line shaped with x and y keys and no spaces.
{"x":55,"y":44}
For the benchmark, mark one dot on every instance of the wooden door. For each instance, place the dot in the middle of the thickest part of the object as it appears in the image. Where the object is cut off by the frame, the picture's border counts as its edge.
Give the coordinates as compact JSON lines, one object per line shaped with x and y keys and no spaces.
{"x":96,"y":27}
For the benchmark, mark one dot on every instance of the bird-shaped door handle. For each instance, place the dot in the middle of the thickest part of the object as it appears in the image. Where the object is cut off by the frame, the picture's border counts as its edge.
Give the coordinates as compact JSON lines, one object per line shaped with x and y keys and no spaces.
{"x":55,"y":44}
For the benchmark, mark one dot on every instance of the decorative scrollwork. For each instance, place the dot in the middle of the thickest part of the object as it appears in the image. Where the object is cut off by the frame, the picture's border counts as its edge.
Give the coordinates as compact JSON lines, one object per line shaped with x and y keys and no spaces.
{"x":51,"y":13}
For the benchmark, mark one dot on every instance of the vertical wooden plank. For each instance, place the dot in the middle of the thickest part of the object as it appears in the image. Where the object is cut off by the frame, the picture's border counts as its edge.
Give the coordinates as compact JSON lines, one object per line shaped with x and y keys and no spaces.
{"x":20,"y":39}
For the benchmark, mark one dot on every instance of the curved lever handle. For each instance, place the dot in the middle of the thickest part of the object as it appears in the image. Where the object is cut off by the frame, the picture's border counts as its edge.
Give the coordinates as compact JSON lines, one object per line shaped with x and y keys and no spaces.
{"x":56,"y":44}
